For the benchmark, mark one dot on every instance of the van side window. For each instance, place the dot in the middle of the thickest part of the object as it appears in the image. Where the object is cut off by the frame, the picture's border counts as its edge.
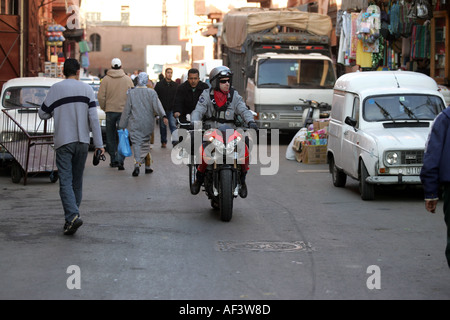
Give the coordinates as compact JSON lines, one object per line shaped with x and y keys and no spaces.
{"x":355,"y":111}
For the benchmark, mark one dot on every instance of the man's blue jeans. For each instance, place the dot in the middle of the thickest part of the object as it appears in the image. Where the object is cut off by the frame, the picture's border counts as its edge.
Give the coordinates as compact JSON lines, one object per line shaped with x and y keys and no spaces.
{"x":70,"y":161}
{"x":112,"y":139}
{"x":163,"y":127}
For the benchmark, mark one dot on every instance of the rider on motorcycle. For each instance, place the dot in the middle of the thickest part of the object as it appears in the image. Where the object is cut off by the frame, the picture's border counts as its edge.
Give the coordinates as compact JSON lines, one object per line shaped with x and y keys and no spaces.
{"x":218,"y":107}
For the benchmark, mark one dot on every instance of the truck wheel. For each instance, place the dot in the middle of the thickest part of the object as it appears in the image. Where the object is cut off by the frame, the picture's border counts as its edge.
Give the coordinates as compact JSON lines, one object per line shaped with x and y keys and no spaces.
{"x":367,"y":190}
{"x":338,"y":176}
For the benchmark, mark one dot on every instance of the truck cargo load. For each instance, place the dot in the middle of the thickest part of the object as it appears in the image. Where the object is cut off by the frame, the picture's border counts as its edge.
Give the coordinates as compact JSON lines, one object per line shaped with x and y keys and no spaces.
{"x":279,"y":56}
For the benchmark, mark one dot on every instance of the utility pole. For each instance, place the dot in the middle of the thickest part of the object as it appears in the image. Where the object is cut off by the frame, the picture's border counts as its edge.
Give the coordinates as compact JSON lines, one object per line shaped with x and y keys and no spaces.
{"x":164,"y":24}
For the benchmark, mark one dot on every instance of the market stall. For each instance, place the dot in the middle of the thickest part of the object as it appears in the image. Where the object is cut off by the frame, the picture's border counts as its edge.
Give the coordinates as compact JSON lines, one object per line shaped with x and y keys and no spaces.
{"x":390,"y":35}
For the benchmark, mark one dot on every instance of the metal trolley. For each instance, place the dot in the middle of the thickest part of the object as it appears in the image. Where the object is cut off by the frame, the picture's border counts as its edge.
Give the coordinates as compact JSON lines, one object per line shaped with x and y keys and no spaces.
{"x":29,"y":140}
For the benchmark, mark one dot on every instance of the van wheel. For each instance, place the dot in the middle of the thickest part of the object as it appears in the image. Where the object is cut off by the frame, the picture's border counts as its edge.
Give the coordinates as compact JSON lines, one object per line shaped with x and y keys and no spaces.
{"x":338,"y":176}
{"x":367,"y":190}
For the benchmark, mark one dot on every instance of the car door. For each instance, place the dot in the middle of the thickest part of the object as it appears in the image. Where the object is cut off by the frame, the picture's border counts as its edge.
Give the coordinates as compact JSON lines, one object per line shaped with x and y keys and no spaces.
{"x":350,"y":140}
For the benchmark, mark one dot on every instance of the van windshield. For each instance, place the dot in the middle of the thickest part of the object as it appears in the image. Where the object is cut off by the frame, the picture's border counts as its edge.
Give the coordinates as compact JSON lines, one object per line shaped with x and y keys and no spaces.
{"x":24,"y":97}
{"x":295,"y":73}
{"x":402,"y":107}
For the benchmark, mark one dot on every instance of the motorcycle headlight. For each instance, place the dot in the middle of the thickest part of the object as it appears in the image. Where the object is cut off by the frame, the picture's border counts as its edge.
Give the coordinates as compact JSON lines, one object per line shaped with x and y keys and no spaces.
{"x":218,"y":145}
{"x":391,"y":157}
{"x":232,"y":145}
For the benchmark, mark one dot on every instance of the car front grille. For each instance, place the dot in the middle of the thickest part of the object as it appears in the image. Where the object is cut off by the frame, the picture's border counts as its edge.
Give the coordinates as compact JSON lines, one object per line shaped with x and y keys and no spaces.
{"x":412,"y":157}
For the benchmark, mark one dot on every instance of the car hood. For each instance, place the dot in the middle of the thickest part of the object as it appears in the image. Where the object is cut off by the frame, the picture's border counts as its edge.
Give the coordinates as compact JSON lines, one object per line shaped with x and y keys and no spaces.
{"x":399,"y":138}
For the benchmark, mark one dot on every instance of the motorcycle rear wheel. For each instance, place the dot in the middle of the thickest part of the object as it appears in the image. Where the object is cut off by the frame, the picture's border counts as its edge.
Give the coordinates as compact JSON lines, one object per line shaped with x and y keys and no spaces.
{"x":226,"y":195}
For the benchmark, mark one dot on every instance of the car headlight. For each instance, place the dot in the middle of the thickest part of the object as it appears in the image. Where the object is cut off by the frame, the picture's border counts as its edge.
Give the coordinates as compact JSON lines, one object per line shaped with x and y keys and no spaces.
{"x":264,"y":116}
{"x":392,"y":157}
{"x":273,"y":116}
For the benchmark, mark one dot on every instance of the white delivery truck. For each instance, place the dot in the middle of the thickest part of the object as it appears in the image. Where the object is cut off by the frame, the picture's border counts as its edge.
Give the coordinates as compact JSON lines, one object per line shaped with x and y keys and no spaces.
{"x":380,"y":121}
{"x":280,"y":59}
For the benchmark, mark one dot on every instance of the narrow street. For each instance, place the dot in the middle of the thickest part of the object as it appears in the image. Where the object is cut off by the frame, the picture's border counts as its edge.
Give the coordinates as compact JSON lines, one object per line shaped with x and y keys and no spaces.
{"x":294,"y":237}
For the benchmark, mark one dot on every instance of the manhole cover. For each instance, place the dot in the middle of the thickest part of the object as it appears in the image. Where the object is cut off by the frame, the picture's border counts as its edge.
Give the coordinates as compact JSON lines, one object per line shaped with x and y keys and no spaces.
{"x":264,"y":246}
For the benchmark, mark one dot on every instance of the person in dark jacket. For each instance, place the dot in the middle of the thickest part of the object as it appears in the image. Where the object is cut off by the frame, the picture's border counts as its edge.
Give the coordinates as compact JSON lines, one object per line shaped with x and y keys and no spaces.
{"x":436,"y":169}
{"x":188,"y":94}
{"x":166,"y":90}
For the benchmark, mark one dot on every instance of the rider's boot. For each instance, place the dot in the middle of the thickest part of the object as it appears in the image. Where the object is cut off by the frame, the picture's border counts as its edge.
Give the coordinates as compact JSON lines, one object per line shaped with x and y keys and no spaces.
{"x":200,"y":177}
{"x":243,"y":189}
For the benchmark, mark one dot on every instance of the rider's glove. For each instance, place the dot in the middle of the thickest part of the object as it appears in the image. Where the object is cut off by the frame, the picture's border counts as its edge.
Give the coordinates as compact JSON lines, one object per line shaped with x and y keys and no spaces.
{"x":253,"y":125}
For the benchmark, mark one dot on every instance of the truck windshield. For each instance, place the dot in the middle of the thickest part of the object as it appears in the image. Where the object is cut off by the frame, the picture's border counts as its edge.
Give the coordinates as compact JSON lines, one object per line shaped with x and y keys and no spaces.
{"x":24,"y":97}
{"x":295,"y":73}
{"x":402,"y":107}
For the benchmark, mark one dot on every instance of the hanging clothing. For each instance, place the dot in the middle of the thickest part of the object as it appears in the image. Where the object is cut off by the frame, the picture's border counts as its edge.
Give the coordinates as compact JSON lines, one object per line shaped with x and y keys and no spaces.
{"x":363,"y":59}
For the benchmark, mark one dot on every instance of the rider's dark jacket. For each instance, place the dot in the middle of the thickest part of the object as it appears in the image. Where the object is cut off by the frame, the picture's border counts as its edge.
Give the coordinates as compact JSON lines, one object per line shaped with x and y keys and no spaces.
{"x":186,"y":98}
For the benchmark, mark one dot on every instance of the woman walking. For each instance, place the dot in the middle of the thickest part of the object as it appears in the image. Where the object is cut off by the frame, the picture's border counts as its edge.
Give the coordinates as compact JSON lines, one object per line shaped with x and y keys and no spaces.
{"x":139,"y":118}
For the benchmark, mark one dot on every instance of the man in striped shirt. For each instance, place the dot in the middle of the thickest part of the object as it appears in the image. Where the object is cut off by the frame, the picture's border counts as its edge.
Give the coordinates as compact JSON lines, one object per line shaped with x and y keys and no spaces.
{"x":72,"y":105}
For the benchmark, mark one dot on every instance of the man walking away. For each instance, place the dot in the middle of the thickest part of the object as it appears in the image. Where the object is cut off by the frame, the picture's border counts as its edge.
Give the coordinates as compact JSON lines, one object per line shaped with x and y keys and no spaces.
{"x":436,"y":169}
{"x":112,"y":96}
{"x":72,"y":105}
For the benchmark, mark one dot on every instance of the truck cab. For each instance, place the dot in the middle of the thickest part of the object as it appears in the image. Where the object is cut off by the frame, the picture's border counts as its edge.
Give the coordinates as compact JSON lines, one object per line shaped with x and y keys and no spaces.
{"x":277,"y":81}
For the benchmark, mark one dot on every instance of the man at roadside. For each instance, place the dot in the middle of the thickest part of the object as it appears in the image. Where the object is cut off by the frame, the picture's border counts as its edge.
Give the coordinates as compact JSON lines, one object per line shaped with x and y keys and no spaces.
{"x":188,"y":94}
{"x":112,"y":96}
{"x":436,"y":169}
{"x":72,"y":105}
{"x":166,"y":90}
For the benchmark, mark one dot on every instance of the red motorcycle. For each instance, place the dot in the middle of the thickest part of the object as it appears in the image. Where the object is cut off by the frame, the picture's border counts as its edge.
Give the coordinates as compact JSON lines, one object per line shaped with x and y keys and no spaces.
{"x":225,"y":153}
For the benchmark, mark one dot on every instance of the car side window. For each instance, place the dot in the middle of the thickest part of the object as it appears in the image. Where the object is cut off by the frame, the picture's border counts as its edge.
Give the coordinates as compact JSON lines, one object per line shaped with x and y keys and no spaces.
{"x":355,"y":110}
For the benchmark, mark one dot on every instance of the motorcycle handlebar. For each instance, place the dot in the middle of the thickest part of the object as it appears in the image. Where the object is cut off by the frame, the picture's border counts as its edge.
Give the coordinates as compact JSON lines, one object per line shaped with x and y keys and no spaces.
{"x":316,"y":104}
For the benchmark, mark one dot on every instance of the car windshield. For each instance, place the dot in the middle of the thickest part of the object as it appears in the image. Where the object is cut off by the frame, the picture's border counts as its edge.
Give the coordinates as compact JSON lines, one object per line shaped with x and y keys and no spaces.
{"x":24,"y":97}
{"x":402,"y":107}
{"x":295,"y":73}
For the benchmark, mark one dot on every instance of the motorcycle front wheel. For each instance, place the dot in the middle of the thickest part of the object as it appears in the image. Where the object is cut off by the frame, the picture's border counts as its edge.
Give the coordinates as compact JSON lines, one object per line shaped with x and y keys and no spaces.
{"x":192,"y":174}
{"x":226,"y":195}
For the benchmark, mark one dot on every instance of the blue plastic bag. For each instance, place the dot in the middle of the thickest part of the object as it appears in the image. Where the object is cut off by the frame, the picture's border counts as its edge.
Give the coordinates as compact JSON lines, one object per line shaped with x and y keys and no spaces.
{"x":124,"y":144}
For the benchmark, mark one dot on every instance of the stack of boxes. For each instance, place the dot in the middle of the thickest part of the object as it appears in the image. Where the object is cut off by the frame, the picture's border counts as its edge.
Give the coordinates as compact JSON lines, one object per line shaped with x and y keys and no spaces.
{"x":310,"y":146}
{"x":54,"y":68}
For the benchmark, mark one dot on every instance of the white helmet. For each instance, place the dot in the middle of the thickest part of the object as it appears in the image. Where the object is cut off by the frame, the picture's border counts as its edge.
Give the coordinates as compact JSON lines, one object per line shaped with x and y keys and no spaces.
{"x":218,"y":73}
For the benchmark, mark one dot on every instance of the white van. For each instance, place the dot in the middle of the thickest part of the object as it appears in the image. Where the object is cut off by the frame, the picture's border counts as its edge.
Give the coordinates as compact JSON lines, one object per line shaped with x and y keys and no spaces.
{"x":380,"y":121}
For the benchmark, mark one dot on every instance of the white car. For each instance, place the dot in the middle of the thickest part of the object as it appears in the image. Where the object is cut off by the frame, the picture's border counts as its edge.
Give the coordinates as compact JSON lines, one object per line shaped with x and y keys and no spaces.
{"x":29,"y":92}
{"x":380,"y":121}
{"x":94,"y":82}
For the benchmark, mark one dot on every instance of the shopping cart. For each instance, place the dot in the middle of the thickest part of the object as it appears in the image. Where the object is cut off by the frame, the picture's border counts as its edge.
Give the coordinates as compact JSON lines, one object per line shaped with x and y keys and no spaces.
{"x":29,"y":140}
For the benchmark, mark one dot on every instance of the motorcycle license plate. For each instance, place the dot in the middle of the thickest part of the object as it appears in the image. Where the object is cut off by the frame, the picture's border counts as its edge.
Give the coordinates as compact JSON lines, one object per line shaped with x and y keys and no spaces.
{"x":413,"y":170}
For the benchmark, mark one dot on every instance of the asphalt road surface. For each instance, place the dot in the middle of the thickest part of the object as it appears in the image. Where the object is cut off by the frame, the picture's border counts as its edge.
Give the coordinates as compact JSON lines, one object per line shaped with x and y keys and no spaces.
{"x":295,"y":237}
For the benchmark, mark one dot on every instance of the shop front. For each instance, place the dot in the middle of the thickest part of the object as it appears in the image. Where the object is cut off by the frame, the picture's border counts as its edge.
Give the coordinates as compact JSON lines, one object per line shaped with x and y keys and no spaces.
{"x":392,"y":35}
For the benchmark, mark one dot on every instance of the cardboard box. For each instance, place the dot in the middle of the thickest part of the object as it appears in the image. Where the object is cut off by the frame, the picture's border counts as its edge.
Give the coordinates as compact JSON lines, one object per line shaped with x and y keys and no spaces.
{"x":321,"y":124}
{"x":314,"y":154}
{"x":297,"y":145}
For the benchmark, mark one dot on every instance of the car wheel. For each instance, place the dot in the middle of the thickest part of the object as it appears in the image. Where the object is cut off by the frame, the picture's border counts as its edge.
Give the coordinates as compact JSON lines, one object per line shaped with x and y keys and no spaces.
{"x":367,"y":190}
{"x":16,"y":172}
{"x":338,"y":176}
